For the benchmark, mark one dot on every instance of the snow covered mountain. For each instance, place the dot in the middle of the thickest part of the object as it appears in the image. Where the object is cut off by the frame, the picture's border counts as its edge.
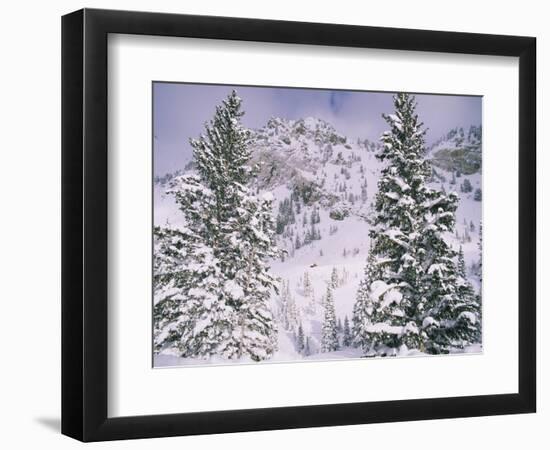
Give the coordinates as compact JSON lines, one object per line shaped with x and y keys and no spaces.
{"x":323,"y":184}
{"x":458,"y":150}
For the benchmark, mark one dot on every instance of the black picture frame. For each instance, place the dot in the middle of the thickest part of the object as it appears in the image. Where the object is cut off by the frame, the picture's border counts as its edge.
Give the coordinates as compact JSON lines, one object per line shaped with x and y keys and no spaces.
{"x":84,"y":224}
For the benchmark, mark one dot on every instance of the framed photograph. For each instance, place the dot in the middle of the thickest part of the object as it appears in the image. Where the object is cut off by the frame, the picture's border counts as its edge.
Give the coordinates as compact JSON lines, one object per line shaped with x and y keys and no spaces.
{"x":273,"y":224}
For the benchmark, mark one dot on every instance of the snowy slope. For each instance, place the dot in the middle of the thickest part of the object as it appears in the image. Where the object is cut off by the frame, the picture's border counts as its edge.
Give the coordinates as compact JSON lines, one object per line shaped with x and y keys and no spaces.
{"x":320,"y":172}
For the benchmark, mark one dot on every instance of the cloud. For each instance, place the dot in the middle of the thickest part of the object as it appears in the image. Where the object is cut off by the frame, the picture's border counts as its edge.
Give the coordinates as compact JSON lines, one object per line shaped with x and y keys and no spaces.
{"x":337,"y":99}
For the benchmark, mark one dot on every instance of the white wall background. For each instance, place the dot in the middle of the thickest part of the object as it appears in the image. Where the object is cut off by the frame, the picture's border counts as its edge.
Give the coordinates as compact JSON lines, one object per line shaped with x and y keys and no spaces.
{"x":30,"y":225}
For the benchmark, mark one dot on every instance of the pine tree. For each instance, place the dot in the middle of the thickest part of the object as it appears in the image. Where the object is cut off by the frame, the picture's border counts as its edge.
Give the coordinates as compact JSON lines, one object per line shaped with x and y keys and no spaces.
{"x":480,"y":248}
{"x":186,"y":277}
{"x":250,"y":289}
{"x":284,"y":306}
{"x":480,"y":276}
{"x":446,"y":309}
{"x":329,"y":338}
{"x":309,"y":293}
{"x":461,"y":264}
{"x":385,"y":307}
{"x":477,"y":195}
{"x":346,"y":341}
{"x":216,"y":300}
{"x":412,"y":297}
{"x":334,"y":281}
{"x":308,"y":288}
{"x":300,"y":343}
{"x":466,"y":186}
{"x":451,"y":312}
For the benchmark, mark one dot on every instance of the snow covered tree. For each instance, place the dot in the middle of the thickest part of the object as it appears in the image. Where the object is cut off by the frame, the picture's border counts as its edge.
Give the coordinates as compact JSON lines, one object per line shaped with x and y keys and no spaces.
{"x":477,"y":195}
{"x":334,"y":280}
{"x":410,"y":297}
{"x":250,"y":282}
{"x":329,"y":338}
{"x":385,"y":307}
{"x":346,"y":341}
{"x":480,"y":268}
{"x":447,"y":307}
{"x":480,"y":248}
{"x":217,"y":298}
{"x":461,"y":264}
{"x":289,"y":313}
{"x":309,"y":293}
{"x":364,"y":306}
{"x":186,"y":278}
{"x":284,"y":304}
{"x":466,"y":186}
{"x":300,"y":343}
{"x":307,"y":286}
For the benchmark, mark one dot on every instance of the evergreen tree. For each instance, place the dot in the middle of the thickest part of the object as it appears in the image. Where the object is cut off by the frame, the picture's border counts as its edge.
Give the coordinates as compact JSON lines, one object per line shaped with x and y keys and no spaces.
{"x":308,"y":288}
{"x":334,"y":281}
{"x":451,"y":313}
{"x":477,"y":195}
{"x":216,"y":300}
{"x":466,"y":186}
{"x":300,"y":343}
{"x":386,"y":302}
{"x":363,"y":308}
{"x":411,"y":298}
{"x":250,"y":288}
{"x":480,"y":276}
{"x":329,"y":338}
{"x":346,"y":341}
{"x":284,"y":306}
{"x":185,"y":278}
{"x":480,"y":248}
{"x":446,"y":309}
{"x":313,"y":232}
{"x":461,"y":265}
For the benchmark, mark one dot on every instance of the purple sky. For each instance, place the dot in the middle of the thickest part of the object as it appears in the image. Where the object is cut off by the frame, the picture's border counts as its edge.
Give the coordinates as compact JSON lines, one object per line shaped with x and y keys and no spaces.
{"x":180,"y":111}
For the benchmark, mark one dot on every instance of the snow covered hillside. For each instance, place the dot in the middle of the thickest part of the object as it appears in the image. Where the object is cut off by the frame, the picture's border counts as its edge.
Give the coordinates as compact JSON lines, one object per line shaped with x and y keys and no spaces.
{"x":324,"y":184}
